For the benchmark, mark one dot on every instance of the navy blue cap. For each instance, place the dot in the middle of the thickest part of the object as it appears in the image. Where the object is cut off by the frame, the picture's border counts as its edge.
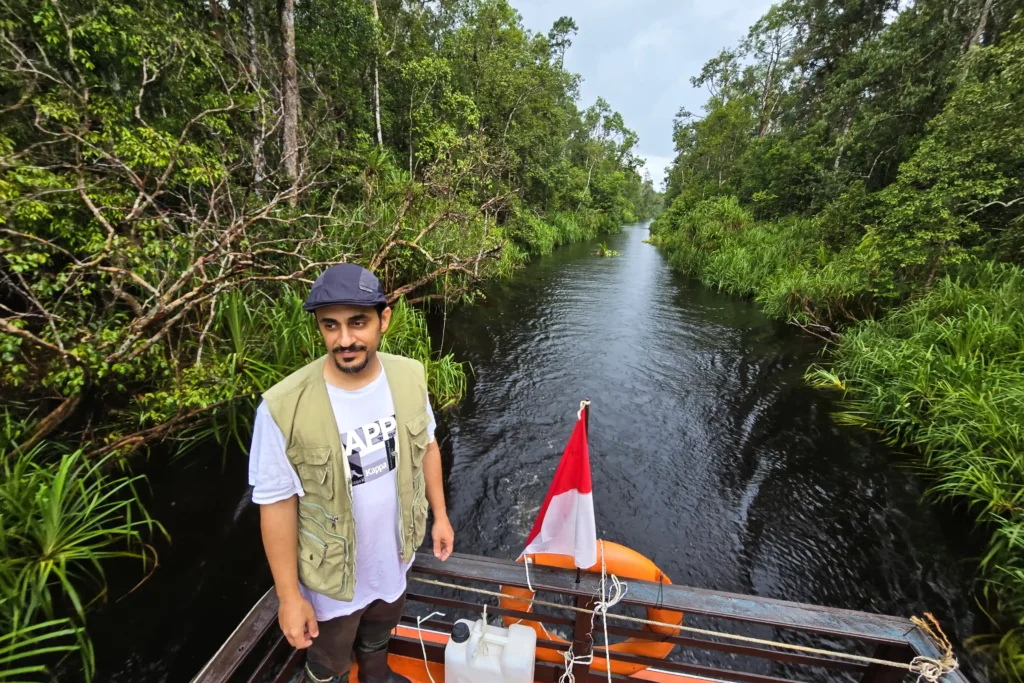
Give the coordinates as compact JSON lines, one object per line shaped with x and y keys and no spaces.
{"x":345,"y":283}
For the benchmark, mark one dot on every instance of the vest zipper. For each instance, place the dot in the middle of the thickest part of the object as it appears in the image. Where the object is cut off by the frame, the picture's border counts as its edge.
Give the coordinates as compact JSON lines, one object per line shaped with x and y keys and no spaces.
{"x":347,"y":471}
{"x":398,"y":491}
{"x":319,"y":541}
{"x":312,"y":520}
{"x":328,"y":515}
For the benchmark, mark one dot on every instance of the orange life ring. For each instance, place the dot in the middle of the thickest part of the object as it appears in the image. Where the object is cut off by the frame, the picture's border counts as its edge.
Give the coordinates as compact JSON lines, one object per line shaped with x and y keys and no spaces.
{"x":625,"y":563}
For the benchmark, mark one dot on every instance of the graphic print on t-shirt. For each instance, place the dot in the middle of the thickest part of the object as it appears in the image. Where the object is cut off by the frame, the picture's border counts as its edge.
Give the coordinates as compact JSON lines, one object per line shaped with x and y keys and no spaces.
{"x":370,"y":449}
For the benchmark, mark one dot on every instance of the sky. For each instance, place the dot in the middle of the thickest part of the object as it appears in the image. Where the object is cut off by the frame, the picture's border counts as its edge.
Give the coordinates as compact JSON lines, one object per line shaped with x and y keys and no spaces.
{"x":640,"y":54}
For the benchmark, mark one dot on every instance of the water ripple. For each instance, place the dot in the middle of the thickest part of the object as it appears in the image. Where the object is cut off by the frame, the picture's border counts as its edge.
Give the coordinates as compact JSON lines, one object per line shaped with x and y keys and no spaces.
{"x":709,"y":453}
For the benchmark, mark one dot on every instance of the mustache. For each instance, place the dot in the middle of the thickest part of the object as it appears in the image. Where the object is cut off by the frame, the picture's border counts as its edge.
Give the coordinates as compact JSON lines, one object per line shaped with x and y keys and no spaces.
{"x":349,"y":349}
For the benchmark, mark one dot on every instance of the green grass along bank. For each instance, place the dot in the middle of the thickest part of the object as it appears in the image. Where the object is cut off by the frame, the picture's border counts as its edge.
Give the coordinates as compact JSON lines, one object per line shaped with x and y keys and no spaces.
{"x":939,"y":373}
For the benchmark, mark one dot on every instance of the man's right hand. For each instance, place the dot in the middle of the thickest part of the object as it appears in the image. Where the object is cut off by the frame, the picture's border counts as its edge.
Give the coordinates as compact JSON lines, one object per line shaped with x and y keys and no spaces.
{"x":298,"y":622}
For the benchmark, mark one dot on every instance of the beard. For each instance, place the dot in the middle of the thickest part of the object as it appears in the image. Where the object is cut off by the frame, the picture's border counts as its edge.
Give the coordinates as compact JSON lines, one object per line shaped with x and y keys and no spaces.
{"x":351,"y":369}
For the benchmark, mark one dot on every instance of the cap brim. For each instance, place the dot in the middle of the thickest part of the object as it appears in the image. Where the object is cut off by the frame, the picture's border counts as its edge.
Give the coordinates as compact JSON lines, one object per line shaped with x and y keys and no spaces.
{"x":309,"y":307}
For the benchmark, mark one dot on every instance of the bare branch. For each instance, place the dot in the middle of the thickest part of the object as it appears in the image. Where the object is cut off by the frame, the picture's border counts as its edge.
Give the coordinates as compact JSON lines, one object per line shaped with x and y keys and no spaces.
{"x":49,"y":423}
{"x":1005,"y":205}
{"x":5,"y":326}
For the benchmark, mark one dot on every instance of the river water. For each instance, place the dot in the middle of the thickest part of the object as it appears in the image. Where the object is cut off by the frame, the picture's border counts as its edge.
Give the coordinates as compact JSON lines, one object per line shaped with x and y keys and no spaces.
{"x":709,"y":455}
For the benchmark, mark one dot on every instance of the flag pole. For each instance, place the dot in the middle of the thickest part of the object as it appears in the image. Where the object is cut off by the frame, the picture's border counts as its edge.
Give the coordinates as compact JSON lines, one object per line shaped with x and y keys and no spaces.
{"x":583,"y":632}
{"x":585,"y":413}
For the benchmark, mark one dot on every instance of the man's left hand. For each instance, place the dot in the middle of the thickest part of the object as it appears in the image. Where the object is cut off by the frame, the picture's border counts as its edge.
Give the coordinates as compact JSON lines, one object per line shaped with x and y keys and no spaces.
{"x":444,"y":538}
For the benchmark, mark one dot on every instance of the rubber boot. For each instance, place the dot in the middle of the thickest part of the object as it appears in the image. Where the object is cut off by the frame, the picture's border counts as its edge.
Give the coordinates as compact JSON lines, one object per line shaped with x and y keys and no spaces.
{"x":374,"y":668}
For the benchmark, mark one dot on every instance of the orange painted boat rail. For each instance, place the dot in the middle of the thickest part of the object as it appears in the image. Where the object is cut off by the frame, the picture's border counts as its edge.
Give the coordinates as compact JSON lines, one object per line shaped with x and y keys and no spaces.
{"x":257,"y":651}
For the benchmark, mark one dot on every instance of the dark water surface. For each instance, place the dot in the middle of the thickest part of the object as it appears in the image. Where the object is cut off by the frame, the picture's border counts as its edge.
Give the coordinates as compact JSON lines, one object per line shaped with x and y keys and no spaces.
{"x":709,"y":453}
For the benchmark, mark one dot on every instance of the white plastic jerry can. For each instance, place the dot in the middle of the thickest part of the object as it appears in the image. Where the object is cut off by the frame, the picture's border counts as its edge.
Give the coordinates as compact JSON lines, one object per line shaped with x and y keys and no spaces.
{"x":497,"y":655}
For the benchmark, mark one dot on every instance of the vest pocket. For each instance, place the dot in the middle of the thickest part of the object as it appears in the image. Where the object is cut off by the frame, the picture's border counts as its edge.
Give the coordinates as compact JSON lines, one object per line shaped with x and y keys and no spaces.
{"x":419,"y":439}
{"x":313,"y":464}
{"x":338,"y":569}
{"x":324,"y":566}
{"x":312,"y":551}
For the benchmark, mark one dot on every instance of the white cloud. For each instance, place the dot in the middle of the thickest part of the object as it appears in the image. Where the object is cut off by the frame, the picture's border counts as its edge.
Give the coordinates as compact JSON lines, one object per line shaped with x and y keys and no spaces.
{"x":640,"y":54}
{"x":655,"y":165}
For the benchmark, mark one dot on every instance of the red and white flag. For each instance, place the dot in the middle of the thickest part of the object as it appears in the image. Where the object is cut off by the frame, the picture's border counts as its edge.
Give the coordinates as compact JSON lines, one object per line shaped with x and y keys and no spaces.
{"x":565,"y":524}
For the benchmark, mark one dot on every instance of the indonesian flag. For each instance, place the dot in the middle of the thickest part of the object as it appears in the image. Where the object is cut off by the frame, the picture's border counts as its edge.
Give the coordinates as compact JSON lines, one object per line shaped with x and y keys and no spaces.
{"x":565,"y":524}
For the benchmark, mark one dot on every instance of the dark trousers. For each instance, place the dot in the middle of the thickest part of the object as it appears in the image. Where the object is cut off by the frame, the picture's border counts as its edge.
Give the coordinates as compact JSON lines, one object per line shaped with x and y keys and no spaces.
{"x":363,"y":632}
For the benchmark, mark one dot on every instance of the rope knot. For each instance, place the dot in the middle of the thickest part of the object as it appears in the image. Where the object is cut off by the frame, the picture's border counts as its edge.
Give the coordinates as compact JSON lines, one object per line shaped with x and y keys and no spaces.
{"x":572,"y":660}
{"x":481,"y":646}
{"x":929,"y":668}
{"x":618,"y":592}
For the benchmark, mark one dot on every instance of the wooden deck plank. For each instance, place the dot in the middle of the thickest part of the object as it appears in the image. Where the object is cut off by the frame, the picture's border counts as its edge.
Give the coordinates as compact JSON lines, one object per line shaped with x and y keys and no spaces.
{"x":236,"y":648}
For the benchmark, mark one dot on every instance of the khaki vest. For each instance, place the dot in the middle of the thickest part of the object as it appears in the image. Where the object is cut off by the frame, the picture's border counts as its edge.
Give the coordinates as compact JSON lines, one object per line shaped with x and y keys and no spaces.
{"x":301,"y":407}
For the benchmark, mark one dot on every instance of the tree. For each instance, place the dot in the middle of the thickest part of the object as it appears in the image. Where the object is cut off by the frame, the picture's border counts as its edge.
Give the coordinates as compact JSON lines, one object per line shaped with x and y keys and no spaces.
{"x":376,"y":74}
{"x":252,"y":62}
{"x":289,"y":94}
{"x":560,"y":37}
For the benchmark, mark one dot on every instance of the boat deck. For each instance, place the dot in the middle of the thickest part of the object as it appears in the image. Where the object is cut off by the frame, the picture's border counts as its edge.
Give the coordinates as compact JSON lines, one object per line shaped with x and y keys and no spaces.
{"x":258,"y":653}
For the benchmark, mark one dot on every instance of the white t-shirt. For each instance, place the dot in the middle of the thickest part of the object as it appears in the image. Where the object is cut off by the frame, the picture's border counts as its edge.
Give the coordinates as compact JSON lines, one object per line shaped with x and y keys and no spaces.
{"x":366,"y":420}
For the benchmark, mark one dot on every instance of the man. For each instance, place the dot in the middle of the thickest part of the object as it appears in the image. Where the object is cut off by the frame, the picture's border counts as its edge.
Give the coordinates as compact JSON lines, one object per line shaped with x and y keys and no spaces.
{"x":343,"y":464}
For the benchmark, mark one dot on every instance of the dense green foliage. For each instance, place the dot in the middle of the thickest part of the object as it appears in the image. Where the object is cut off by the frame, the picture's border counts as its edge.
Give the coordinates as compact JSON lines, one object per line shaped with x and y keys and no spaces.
{"x":144,"y":179}
{"x":63,"y":516}
{"x":859,"y":171}
{"x":174,"y":174}
{"x":916,"y":167}
{"x":783,"y":264}
{"x":945,"y":375}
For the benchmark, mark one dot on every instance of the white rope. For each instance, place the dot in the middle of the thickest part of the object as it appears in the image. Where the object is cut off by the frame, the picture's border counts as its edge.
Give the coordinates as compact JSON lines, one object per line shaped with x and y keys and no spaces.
{"x":572,"y":660}
{"x":319,"y":680}
{"x":542,"y":629}
{"x":419,"y":632}
{"x":928,"y":668}
{"x":526,"y":564}
{"x":602,"y":606}
{"x":481,"y":645}
{"x":583,"y":404}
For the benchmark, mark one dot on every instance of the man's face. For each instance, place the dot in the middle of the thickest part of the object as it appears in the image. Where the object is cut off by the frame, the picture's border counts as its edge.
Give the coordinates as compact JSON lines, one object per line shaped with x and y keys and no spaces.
{"x":352,"y":334}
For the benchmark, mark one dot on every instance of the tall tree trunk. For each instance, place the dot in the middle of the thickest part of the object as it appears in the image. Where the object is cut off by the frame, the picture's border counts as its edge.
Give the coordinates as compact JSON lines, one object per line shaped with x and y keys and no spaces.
{"x":586,"y":190}
{"x":410,"y":135}
{"x":290,"y":90}
{"x":249,"y":27}
{"x":376,"y":77}
{"x":766,"y":92}
{"x":979,"y":31}
{"x":842,"y":141}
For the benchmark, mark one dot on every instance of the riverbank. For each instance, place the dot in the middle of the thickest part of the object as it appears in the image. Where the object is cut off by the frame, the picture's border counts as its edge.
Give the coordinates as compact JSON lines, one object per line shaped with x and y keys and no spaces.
{"x":880,"y":208}
{"x":940,"y":375}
